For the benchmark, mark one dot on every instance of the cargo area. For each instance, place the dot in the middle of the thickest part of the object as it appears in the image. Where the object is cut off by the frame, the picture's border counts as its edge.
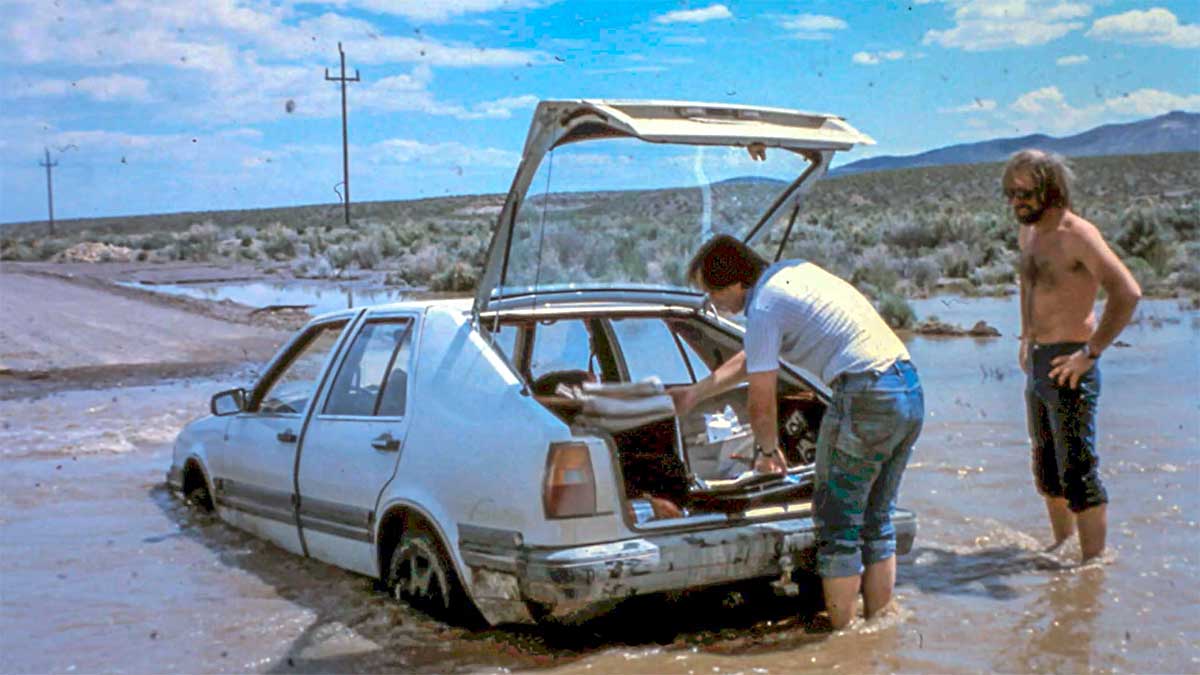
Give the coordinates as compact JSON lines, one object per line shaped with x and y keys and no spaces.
{"x":608,"y":376}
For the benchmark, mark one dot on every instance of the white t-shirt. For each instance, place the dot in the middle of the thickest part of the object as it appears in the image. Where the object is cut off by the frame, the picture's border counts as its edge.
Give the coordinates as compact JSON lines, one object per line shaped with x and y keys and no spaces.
{"x":815,"y":320}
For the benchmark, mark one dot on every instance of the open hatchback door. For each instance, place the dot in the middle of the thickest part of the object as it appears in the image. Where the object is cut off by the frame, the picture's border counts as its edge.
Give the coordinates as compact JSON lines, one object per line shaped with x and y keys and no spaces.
{"x":613,"y":196}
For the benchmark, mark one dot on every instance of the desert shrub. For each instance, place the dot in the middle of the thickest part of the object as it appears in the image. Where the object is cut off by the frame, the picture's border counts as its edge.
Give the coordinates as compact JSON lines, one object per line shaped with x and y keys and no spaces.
{"x":17,"y":250}
{"x":200,"y":241}
{"x":339,"y":256}
{"x":912,"y":236}
{"x":279,"y":242}
{"x":878,"y":267}
{"x":247,"y":242}
{"x":456,"y":278}
{"x":995,"y":273}
{"x":366,"y":253}
{"x":1189,"y":279}
{"x":895,"y":310}
{"x":1144,"y":236}
{"x":955,"y":260}
{"x":925,"y":272}
{"x":421,"y":264}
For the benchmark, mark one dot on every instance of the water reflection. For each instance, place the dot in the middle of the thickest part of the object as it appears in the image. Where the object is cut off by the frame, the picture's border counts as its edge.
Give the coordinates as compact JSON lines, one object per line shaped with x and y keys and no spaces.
{"x":318,"y":297}
{"x":1059,"y":626}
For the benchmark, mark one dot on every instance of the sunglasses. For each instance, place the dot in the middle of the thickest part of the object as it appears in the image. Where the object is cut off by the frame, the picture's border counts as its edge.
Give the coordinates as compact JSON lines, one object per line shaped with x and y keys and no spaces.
{"x":1023,"y":195}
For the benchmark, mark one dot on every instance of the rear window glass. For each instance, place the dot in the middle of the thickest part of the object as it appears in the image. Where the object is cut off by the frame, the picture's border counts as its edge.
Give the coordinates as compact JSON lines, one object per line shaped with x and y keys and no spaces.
{"x":378,"y":358}
{"x":560,"y":345}
{"x":650,"y":349}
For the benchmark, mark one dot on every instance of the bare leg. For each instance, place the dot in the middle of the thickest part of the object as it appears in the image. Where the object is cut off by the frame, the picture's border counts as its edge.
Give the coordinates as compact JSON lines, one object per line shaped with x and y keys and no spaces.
{"x":1062,"y":521}
{"x":841,"y":599}
{"x":878,"y":581}
{"x":1093,"y":527}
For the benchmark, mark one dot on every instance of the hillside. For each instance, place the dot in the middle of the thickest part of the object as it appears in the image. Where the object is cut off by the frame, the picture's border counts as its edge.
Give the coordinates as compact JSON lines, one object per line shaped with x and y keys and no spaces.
{"x":1174,"y":132}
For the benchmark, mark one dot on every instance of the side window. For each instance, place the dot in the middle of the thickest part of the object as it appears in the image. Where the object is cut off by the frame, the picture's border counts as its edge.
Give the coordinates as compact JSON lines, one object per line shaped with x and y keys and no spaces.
{"x":376,"y":364}
{"x":650,"y":349}
{"x":291,"y":388}
{"x":560,"y":345}
{"x":703,"y":353}
{"x":699,"y":368}
{"x":506,"y":339}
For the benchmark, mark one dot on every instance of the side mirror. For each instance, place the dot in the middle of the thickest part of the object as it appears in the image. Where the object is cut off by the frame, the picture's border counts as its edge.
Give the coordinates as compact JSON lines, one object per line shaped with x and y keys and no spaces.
{"x":228,"y":402}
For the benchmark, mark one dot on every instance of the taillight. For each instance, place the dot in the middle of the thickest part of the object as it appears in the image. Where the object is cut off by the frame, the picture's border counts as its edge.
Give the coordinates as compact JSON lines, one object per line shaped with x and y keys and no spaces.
{"x":570,"y":486}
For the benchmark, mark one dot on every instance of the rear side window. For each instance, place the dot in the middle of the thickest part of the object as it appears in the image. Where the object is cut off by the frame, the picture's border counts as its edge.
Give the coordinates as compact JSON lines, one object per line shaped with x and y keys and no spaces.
{"x":649,"y":349}
{"x":560,"y":345}
{"x":373,"y":378}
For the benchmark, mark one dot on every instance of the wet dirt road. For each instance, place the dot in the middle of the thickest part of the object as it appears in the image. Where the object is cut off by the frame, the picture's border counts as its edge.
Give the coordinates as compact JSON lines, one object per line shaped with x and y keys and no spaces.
{"x":101,"y":570}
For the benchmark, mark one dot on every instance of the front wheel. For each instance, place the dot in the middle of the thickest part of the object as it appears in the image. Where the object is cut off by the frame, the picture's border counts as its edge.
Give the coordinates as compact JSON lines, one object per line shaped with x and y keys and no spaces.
{"x":421,"y":575}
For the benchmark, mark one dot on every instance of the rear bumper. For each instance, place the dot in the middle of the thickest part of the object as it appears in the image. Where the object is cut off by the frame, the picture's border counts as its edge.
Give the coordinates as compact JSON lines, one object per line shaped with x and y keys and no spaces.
{"x":572,"y":584}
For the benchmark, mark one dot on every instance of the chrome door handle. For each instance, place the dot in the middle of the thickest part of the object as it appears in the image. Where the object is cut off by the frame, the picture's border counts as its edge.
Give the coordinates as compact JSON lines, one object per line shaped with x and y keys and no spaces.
{"x":385,"y":442}
{"x":287,"y":436}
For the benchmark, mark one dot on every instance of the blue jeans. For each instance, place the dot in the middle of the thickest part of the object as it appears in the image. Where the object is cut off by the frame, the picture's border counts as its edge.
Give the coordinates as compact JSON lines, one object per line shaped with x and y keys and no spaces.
{"x":1062,"y":430}
{"x":864,"y":444}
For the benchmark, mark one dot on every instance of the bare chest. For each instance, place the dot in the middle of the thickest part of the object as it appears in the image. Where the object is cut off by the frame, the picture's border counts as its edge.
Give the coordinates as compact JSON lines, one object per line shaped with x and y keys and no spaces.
{"x":1046,"y":265}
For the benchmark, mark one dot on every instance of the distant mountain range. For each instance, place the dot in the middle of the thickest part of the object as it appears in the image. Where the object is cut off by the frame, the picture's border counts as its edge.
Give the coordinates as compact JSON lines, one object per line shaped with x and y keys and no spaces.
{"x":1174,"y":132}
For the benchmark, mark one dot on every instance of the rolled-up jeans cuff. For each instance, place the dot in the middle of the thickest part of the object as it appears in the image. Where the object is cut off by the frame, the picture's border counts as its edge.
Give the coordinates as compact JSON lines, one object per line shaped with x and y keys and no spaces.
{"x":878,"y":550}
{"x":848,"y":564}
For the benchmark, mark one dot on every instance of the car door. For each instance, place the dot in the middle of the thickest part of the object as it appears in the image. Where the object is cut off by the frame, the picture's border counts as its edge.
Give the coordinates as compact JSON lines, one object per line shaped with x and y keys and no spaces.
{"x":353,"y":443}
{"x":256,"y":484}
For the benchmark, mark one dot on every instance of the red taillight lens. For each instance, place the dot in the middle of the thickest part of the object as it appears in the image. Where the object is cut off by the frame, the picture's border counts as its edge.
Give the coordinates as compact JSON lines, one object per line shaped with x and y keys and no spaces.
{"x":570,"y":486}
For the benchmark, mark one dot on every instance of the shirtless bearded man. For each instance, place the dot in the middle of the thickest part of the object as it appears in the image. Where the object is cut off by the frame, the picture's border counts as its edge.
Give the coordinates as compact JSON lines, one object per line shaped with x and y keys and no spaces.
{"x":1064,"y":262}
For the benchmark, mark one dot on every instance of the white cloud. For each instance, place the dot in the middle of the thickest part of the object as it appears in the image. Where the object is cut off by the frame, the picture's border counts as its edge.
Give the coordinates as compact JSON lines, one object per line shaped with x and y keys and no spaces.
{"x":811,"y":26}
{"x":1072,"y":60}
{"x":172,"y":33}
{"x":982,"y":25}
{"x":1155,"y":26}
{"x":684,"y":40}
{"x":449,"y":154}
{"x":443,"y":10}
{"x":711,"y":13}
{"x":106,"y":88}
{"x":1047,"y":110}
{"x":628,"y":69}
{"x":977,"y":106}
{"x":1152,"y":102}
{"x":875,"y":58}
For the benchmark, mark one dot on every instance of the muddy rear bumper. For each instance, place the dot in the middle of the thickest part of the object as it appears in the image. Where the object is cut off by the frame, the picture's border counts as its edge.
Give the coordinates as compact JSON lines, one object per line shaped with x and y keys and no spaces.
{"x":573,"y":584}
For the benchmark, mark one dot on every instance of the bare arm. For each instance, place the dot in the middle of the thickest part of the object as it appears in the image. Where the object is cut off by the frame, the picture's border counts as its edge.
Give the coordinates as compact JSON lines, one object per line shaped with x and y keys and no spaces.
{"x":726,"y":376}
{"x":764,"y":409}
{"x":1088,"y":246}
{"x":1026,"y":287}
{"x":1116,"y":280}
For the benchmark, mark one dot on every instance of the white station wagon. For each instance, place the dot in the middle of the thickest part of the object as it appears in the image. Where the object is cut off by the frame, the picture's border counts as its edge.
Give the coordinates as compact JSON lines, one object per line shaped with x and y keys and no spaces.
{"x":517,"y":454}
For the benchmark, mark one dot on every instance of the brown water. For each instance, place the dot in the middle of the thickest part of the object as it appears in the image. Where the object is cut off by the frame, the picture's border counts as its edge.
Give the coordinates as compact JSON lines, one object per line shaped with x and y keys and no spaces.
{"x":101,"y":570}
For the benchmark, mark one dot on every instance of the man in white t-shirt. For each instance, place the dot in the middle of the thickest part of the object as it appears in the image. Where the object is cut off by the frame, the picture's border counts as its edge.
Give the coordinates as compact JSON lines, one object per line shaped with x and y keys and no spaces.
{"x":802,"y":314}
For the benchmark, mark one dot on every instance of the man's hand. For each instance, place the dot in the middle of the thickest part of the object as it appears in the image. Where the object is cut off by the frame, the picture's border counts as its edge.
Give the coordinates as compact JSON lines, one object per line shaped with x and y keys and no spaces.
{"x":770,"y":462}
{"x":684,"y":399}
{"x":1023,"y":355}
{"x":1068,"y":368}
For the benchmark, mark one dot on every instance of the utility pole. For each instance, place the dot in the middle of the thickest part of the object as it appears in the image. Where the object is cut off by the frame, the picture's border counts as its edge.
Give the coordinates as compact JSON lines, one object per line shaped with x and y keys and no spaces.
{"x":49,"y":187}
{"x":345,"y":144}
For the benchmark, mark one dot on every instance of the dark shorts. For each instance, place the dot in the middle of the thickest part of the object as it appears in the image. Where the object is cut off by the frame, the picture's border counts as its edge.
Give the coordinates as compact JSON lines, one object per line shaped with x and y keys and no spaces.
{"x":1062,"y":429}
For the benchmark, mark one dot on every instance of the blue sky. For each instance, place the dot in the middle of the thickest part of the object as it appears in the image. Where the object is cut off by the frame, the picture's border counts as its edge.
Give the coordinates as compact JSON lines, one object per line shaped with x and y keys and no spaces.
{"x":153,"y":106}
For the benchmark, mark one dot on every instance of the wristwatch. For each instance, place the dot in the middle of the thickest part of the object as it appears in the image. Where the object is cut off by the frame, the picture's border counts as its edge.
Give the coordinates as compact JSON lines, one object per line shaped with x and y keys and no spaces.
{"x":1092,"y":355}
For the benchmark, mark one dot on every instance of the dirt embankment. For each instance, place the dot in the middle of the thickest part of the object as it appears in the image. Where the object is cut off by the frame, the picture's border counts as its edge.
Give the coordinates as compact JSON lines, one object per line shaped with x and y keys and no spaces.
{"x":71,"y":325}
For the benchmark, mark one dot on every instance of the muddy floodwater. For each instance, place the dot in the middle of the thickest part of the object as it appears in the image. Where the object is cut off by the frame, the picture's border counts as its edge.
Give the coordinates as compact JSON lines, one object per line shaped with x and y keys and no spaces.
{"x":102,"y":570}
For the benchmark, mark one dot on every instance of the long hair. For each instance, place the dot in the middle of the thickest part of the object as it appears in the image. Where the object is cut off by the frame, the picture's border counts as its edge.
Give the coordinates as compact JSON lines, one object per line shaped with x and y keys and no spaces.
{"x":1051,"y":176}
{"x":723,"y":261}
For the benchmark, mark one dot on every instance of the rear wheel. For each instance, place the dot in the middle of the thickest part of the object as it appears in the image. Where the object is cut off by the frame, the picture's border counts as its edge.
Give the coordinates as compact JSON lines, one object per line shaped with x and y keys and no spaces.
{"x":421,"y":575}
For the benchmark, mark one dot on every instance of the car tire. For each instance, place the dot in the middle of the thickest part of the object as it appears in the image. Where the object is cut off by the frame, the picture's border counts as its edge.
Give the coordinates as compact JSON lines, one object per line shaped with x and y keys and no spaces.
{"x":421,"y":575}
